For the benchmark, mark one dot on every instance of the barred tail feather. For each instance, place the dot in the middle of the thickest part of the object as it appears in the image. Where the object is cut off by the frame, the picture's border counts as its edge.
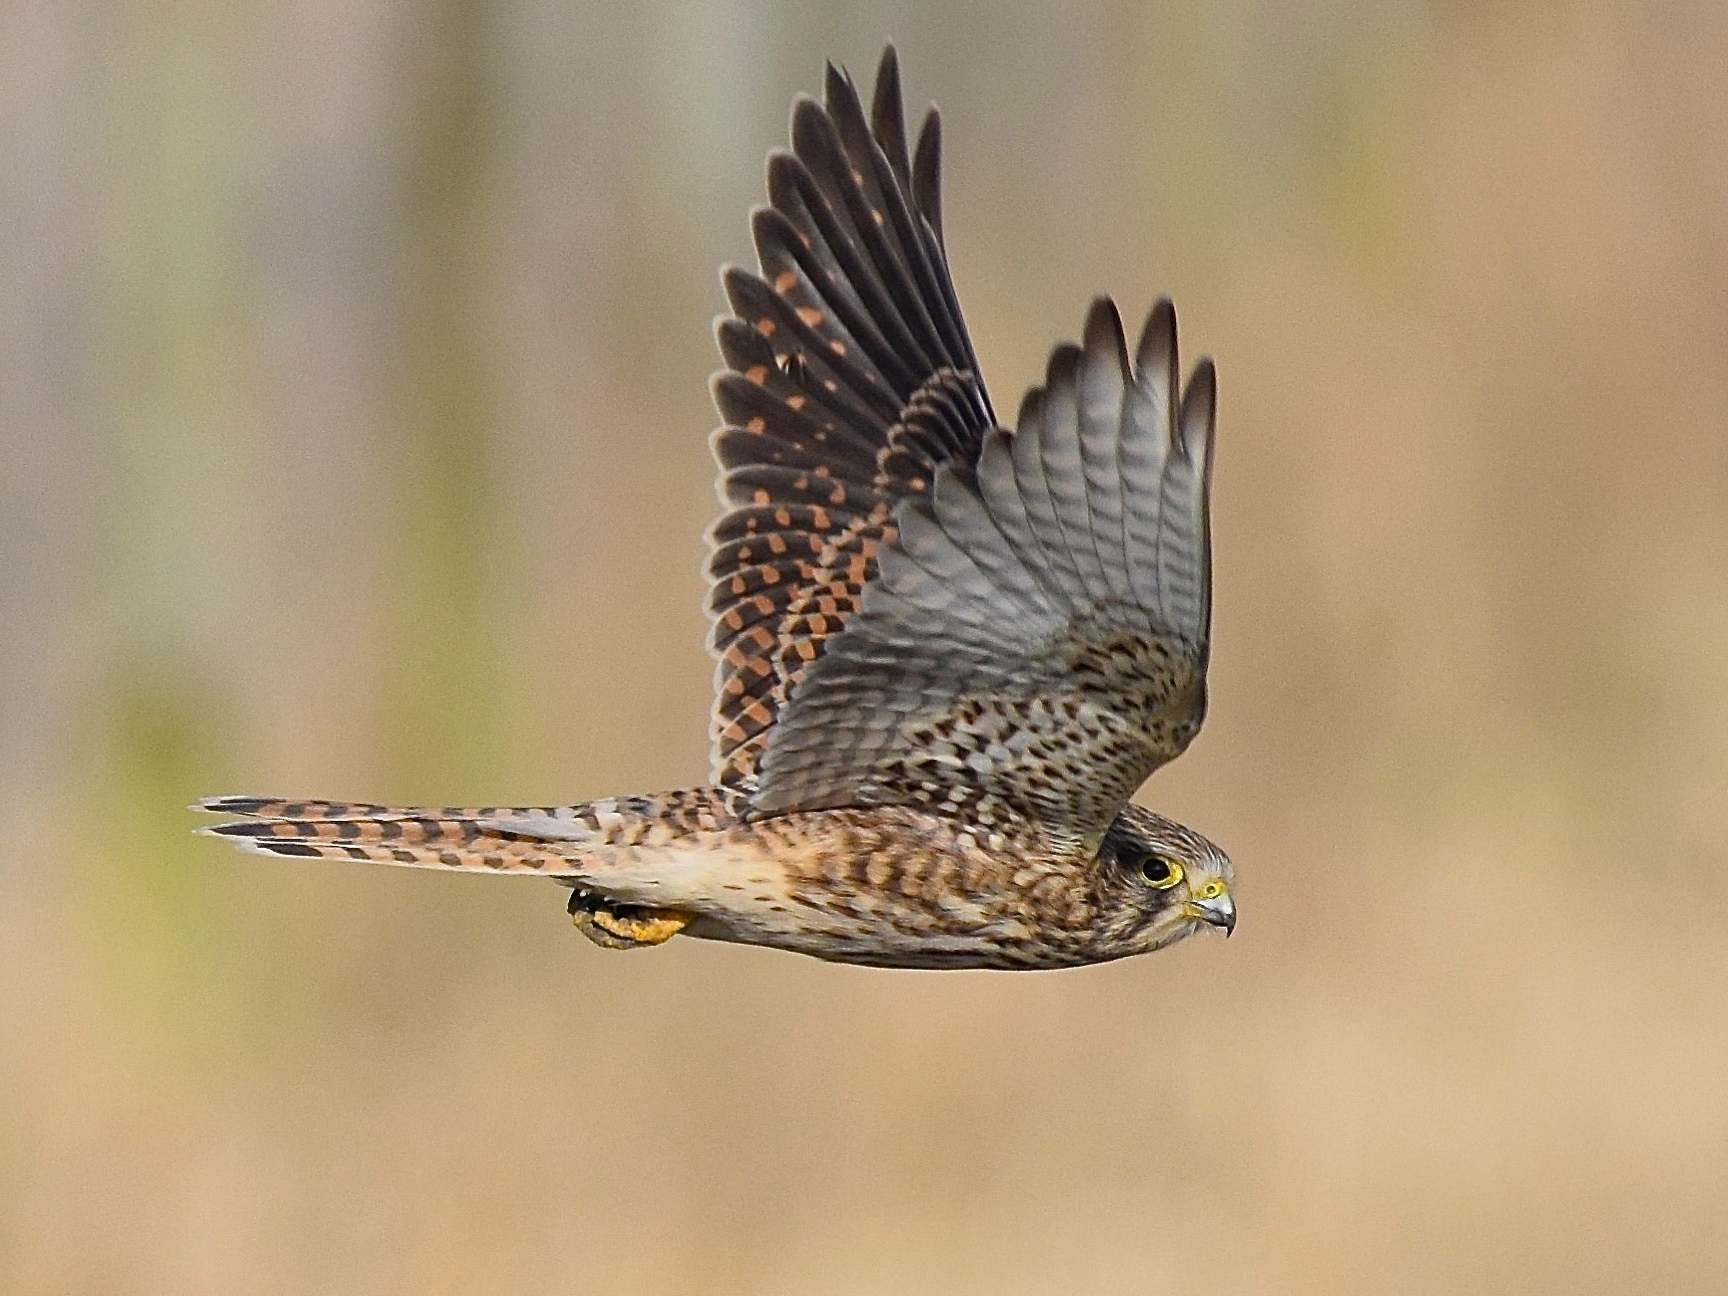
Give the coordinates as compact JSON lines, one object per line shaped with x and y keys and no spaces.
{"x":549,"y":841}
{"x":279,"y":808}
{"x":407,"y":836}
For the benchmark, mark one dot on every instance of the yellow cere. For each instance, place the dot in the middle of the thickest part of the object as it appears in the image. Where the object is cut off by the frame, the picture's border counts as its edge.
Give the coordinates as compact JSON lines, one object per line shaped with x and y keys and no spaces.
{"x":1210,"y":890}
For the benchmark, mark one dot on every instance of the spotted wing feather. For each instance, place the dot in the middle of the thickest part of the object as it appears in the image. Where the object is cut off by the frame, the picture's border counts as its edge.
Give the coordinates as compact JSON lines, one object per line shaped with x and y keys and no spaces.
{"x":850,"y":382}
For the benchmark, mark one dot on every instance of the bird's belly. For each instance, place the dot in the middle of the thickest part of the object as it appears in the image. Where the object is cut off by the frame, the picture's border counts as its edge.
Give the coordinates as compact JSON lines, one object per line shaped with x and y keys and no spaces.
{"x":855,"y":889}
{"x":883,"y":934}
{"x":871,"y":943}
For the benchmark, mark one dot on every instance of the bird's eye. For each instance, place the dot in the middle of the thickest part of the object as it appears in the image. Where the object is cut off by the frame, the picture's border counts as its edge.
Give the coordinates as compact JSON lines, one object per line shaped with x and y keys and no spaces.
{"x":1160,"y":871}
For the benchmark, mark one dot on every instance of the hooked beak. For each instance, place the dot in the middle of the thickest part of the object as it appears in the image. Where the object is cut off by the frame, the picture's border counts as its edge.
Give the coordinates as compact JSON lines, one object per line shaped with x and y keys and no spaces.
{"x":1219,"y":911}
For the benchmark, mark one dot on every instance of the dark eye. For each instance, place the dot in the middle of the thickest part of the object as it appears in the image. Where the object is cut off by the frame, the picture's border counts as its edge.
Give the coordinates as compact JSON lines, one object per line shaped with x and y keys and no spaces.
{"x":1160,"y":871}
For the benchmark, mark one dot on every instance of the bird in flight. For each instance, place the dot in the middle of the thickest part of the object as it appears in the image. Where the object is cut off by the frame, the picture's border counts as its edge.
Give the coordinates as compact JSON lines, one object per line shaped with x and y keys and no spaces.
{"x":950,"y":648}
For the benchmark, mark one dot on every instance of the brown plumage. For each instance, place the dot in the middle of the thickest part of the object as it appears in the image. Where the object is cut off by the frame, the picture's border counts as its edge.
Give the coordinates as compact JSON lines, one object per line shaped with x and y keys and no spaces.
{"x":949,"y":651}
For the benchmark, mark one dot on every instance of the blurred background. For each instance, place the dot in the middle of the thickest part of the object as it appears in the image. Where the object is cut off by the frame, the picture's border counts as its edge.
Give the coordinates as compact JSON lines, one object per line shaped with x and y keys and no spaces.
{"x":352,"y":398}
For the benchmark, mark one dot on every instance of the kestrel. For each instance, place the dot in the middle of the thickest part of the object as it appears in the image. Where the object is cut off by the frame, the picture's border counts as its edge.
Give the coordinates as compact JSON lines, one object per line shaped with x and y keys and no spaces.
{"x":949,"y":649}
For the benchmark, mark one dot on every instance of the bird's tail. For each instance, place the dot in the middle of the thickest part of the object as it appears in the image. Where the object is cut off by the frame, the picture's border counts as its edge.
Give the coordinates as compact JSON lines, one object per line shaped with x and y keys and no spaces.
{"x":551,"y":841}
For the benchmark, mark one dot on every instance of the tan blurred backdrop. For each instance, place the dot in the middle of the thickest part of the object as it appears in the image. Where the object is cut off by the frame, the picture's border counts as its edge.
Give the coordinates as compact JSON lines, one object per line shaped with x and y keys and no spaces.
{"x":353,"y":408}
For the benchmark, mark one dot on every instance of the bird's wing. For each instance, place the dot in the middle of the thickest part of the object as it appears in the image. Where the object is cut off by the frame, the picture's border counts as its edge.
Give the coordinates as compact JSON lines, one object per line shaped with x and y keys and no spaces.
{"x":849,"y":381}
{"x":1034,"y":639}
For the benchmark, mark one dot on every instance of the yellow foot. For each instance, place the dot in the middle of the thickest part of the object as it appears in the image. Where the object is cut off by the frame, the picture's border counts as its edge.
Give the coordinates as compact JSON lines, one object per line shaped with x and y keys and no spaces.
{"x":616,"y":926}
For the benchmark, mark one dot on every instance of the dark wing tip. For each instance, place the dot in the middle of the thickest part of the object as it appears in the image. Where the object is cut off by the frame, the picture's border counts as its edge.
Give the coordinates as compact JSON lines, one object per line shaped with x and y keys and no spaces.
{"x":1063,"y":367}
{"x":1103,"y":333}
{"x":1031,"y":407}
{"x":1155,"y":363}
{"x":735,"y":282}
{"x":836,"y":84}
{"x":1157,"y":349}
{"x":1199,"y":416}
{"x":888,"y":70}
{"x":806,"y":112}
{"x":927,"y":171}
{"x":888,"y":115}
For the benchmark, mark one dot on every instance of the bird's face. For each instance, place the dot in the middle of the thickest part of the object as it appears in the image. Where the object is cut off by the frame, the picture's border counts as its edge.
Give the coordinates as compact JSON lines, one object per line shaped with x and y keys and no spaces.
{"x":1162,"y":881}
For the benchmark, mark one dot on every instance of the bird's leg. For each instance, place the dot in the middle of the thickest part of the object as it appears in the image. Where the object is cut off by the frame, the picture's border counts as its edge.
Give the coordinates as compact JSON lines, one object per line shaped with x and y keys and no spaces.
{"x":620,"y":926}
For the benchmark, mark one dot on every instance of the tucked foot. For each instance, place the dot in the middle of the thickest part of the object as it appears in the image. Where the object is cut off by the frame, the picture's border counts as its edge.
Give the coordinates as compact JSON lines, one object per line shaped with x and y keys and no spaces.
{"x":620,"y":926}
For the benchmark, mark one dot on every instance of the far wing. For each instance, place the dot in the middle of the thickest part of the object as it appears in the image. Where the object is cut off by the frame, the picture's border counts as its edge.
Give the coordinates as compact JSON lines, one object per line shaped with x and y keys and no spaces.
{"x":1035,"y":638}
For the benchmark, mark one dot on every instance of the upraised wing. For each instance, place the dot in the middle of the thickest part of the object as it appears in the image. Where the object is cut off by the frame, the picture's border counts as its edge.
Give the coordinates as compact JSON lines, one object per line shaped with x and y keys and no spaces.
{"x":1034,"y":640}
{"x":850,"y":380}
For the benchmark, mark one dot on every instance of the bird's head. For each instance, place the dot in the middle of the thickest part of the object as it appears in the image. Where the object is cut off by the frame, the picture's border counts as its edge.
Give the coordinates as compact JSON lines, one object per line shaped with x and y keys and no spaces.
{"x":1162,"y":882}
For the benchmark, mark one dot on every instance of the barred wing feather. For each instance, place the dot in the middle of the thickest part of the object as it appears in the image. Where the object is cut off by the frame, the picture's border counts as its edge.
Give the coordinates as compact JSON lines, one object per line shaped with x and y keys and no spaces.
{"x":1034,"y":640}
{"x":850,"y":380}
